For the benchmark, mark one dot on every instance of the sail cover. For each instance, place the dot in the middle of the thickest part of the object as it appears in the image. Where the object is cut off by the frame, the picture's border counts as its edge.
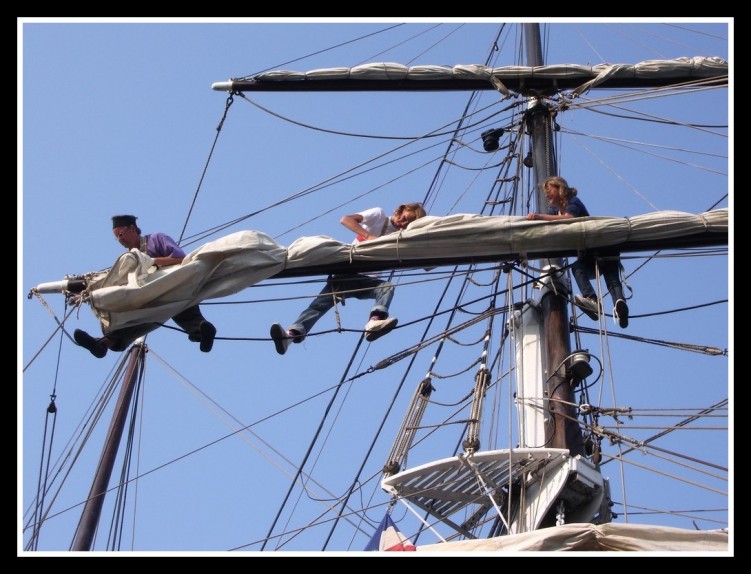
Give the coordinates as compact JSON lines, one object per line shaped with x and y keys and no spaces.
{"x":591,"y":537}
{"x":506,"y":79}
{"x":134,"y":292}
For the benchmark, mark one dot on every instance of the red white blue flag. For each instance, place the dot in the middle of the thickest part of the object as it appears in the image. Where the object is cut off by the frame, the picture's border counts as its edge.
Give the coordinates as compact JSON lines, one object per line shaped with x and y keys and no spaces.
{"x":387,"y":538}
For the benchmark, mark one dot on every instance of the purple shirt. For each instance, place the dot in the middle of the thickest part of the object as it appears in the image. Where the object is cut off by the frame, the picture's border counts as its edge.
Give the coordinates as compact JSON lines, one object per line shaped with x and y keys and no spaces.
{"x":162,"y":245}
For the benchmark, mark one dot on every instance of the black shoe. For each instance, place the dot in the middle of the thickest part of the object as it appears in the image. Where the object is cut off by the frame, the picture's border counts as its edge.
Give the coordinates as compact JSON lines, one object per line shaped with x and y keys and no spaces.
{"x":95,"y":347}
{"x":590,"y":306}
{"x":208,"y":332}
{"x":280,"y":337}
{"x":620,"y":313}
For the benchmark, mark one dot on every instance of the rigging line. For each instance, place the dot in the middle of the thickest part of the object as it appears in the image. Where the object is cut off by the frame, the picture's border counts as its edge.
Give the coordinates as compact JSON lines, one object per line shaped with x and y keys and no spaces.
{"x":402,"y":456}
{"x":690,"y":87}
{"x":412,"y":140}
{"x":118,"y":517}
{"x":44,"y":474}
{"x":431,"y":134}
{"x":645,"y":144}
{"x":355,"y":481}
{"x":703,"y":349}
{"x":316,"y":522}
{"x":682,"y":513}
{"x":336,"y":179}
{"x":616,"y":175}
{"x":426,"y":342}
{"x":176,"y":459}
{"x":85,"y":431}
{"x":372,"y":58}
{"x":665,"y":474}
{"x":588,"y":43}
{"x":467,"y":168}
{"x":680,"y":309}
{"x":360,"y":513}
{"x":367,"y":455}
{"x":441,"y":173}
{"x":659,"y":156}
{"x":632,"y":427}
{"x":105,"y":390}
{"x":60,"y":325}
{"x":313,"y":441}
{"x":716,"y":37}
{"x":668,"y":413}
{"x":251,"y":76}
{"x":669,"y":40}
{"x":378,"y":433}
{"x":620,"y":30}
{"x":441,"y":277}
{"x":705,"y":128}
{"x":651,"y":449}
{"x":309,"y":478}
{"x":445,"y":334}
{"x":688,"y":420}
{"x":246,"y":427}
{"x":465,"y":114}
{"x":718,"y":202}
{"x":227,"y":105}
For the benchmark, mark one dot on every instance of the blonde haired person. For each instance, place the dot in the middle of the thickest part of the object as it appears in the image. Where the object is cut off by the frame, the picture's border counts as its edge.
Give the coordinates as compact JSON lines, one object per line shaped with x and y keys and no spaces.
{"x":564,"y":204}
{"x":366,"y":225}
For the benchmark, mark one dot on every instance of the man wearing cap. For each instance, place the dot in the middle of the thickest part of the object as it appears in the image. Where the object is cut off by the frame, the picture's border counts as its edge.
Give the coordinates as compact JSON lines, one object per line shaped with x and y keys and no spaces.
{"x":164,"y":251}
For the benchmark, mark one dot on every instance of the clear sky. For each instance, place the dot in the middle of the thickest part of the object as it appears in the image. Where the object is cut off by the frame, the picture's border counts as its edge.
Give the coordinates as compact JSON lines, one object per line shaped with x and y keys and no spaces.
{"x":119,"y":116}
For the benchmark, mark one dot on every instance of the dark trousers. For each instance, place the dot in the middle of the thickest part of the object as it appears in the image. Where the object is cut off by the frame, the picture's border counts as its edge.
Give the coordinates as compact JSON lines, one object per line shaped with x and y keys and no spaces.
{"x":584,"y":270}
{"x":188,"y":320}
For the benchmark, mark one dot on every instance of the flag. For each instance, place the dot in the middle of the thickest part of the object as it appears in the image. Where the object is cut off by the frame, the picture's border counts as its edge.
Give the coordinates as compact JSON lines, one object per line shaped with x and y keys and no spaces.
{"x":387,"y":538}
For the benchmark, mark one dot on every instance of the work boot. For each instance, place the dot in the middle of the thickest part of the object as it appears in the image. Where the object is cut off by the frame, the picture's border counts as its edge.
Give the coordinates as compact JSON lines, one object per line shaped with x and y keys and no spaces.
{"x":95,"y":346}
{"x":208,"y":332}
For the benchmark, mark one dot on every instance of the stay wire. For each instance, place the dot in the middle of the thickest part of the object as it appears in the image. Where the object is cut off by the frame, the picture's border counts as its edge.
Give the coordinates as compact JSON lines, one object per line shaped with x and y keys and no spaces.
{"x":227,"y":105}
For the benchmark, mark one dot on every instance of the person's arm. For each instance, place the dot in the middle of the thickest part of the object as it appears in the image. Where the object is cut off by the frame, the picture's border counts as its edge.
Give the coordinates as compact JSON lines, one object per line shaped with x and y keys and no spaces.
{"x":166,"y":251}
{"x":352,"y":222}
{"x":166,"y":261}
{"x":548,"y":217}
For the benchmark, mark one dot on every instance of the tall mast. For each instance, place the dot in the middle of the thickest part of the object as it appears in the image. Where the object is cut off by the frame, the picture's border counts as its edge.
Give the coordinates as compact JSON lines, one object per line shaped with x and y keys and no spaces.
{"x":89,"y":520}
{"x":562,"y":431}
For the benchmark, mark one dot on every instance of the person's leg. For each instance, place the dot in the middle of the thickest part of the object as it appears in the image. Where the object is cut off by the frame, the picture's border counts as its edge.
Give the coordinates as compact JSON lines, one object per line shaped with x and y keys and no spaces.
{"x":583,"y":270}
{"x":117,"y":340}
{"x":364,"y":287}
{"x":199,"y":330}
{"x":298,"y":330}
{"x":317,"y":309}
{"x":97,"y":347}
{"x":382,"y":291}
{"x":611,"y":271}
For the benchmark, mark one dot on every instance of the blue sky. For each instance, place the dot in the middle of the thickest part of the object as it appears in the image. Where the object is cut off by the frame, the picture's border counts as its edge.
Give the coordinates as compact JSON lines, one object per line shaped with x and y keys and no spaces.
{"x":119,"y":117}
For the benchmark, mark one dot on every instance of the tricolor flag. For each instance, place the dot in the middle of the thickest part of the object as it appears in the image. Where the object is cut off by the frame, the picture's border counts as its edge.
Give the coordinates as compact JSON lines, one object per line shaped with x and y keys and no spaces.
{"x":387,"y":538}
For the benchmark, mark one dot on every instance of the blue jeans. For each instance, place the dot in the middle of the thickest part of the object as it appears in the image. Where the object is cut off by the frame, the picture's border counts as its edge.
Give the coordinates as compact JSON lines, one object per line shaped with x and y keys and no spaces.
{"x":345,"y":287}
{"x":584,"y":270}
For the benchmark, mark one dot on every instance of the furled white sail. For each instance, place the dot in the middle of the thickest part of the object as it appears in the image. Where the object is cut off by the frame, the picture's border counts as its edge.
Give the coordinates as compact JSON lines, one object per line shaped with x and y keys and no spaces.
{"x":505,"y":79}
{"x":134,"y":292}
{"x":587,"y":537}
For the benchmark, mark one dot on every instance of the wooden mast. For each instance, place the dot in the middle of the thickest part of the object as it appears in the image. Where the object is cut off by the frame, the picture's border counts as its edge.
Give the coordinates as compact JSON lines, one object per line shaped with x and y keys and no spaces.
{"x":562,"y":429}
{"x":89,"y":520}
